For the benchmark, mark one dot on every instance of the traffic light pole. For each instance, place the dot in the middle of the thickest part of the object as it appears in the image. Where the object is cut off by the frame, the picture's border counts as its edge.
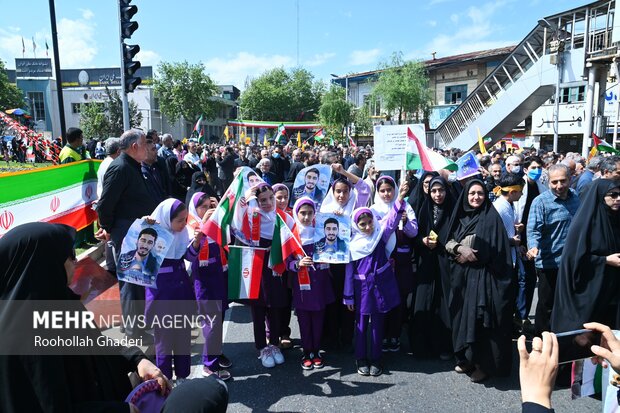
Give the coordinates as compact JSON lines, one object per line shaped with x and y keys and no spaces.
{"x":123,"y":92}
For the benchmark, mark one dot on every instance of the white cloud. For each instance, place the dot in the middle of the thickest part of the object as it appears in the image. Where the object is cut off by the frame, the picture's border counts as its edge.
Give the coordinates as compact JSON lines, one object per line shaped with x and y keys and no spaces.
{"x":319,"y":59}
{"x":477,"y":32}
{"x":454,"y":18}
{"x":432,"y":23}
{"x":148,"y":58}
{"x":364,"y":57}
{"x":237,"y":68}
{"x":76,"y":39}
{"x":11,"y":46}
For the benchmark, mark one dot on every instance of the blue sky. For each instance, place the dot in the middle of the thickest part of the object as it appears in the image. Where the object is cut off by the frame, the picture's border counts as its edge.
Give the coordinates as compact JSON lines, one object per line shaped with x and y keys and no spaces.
{"x":237,"y":39}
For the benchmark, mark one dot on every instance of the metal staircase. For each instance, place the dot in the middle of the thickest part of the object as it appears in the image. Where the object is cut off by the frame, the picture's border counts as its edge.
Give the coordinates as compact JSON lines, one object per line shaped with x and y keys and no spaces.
{"x":528,"y":76}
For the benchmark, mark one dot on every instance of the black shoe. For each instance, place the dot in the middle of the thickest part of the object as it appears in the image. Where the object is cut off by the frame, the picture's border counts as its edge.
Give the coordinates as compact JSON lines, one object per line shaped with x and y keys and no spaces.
{"x":224,"y":362}
{"x":376,"y":370}
{"x":394,"y":345}
{"x":385,"y":345}
{"x":362,"y":367}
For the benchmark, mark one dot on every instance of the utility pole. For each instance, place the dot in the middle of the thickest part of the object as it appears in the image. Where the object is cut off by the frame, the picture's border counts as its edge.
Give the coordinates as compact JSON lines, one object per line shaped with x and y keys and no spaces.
{"x":61,"y":102}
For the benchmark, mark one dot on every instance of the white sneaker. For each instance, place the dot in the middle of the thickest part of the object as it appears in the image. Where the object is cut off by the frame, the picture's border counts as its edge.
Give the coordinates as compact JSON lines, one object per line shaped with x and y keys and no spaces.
{"x":267,"y":358}
{"x":277,"y":355}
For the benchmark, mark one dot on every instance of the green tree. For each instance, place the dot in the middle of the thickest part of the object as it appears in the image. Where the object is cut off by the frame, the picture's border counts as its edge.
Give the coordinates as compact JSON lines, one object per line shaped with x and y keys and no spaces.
{"x":185,"y":90}
{"x":103,"y":119}
{"x":362,"y":122}
{"x":403,"y":88}
{"x":335,"y":112}
{"x":10,"y":96}
{"x":278,"y":95}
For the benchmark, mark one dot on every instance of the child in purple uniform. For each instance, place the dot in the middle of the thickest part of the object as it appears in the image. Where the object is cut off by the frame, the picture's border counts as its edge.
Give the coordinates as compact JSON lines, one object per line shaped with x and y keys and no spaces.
{"x":312,"y":289}
{"x":370,"y":287}
{"x":400,"y":242}
{"x":173,"y":283}
{"x":211,"y":289}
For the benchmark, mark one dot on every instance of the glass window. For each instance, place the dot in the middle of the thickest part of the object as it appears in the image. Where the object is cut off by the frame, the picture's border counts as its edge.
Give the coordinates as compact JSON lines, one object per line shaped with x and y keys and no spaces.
{"x":455,"y":94}
{"x":38,"y":105}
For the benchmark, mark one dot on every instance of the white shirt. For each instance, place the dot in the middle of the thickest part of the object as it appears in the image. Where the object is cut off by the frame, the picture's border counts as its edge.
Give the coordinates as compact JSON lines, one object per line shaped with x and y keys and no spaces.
{"x":193,"y":158}
{"x":101,"y":173}
{"x":508,"y":216}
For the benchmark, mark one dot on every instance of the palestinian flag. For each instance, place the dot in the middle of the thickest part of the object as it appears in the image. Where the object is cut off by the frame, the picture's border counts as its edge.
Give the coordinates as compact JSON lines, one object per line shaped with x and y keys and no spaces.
{"x":198,"y":133}
{"x":61,"y":194}
{"x":319,"y":135}
{"x":421,"y":157}
{"x":245,"y":268}
{"x":280,"y":134}
{"x":603,"y":146}
{"x":283,"y":245}
{"x":217,"y":226}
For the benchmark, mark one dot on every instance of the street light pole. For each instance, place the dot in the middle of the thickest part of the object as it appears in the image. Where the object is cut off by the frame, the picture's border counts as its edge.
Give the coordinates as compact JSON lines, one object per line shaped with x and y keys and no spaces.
{"x":61,"y":104}
{"x":556,"y":115}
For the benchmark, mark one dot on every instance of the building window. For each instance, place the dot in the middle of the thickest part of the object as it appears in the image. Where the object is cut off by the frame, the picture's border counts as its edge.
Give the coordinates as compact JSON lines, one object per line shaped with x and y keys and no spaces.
{"x":573,"y":94}
{"x":37,"y":105}
{"x":374,"y":106}
{"x":455,"y":94}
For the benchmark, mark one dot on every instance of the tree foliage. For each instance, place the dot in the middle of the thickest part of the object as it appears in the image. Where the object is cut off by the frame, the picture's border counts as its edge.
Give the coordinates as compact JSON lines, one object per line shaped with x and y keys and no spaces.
{"x":362,"y":122}
{"x":103,"y":119}
{"x":403,"y":88}
{"x":185,"y":90}
{"x":10,"y":96}
{"x":278,"y":95}
{"x":335,"y":112}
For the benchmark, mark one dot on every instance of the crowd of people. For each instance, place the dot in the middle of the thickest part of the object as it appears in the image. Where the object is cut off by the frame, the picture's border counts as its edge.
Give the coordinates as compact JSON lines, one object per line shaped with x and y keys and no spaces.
{"x":451,"y":264}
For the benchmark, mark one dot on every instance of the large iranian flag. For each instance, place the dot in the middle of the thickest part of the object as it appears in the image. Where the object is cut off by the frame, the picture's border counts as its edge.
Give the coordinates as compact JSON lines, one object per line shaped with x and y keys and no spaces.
{"x":280,"y":133}
{"x":419,"y":156}
{"x":61,"y":194}
{"x":245,"y":267}
{"x":283,"y":245}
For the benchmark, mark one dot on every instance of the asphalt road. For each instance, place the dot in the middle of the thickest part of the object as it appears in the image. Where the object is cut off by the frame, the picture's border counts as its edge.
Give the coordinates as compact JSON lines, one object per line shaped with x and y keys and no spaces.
{"x":408,"y":385}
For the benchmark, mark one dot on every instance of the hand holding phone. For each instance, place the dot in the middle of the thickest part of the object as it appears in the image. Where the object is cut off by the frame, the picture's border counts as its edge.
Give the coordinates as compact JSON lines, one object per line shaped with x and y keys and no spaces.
{"x":577,"y":344}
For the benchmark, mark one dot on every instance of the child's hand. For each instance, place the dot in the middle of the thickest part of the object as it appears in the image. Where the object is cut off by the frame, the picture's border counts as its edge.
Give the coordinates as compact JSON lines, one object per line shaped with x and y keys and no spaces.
{"x":403,"y":191}
{"x":306,"y":262}
{"x":337,"y":168}
{"x":208,"y":214}
{"x":243,"y":202}
{"x":212,"y":202}
{"x":150,"y":220}
{"x":350,"y":307}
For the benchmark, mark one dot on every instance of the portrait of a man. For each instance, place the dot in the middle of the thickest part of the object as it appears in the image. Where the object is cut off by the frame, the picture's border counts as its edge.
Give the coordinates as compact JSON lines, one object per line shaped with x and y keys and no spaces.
{"x":309,"y":187}
{"x":141,"y":259}
{"x":331,"y":247}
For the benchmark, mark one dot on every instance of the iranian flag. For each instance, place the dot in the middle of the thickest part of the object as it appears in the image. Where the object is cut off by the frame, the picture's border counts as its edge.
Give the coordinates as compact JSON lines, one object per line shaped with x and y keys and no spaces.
{"x":245,"y":267}
{"x":217,"y":227}
{"x":280,"y":134}
{"x":61,"y":194}
{"x":603,"y":146}
{"x":421,"y":157}
{"x":283,"y":245}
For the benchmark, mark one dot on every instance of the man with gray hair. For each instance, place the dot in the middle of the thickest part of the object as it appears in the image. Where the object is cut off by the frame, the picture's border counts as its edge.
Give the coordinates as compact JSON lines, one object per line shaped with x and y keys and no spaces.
{"x":125,"y":198}
{"x":165,"y":151}
{"x":588,"y":175}
{"x":550,"y":217}
{"x":610,"y":168}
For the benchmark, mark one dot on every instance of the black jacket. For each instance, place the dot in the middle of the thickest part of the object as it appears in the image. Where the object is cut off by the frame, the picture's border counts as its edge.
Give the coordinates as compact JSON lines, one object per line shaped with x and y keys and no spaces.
{"x":124,"y":197}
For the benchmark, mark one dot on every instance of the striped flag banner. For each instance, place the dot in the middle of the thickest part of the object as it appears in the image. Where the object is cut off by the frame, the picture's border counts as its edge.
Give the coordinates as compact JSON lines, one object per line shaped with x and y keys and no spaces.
{"x":283,"y":245}
{"x":419,"y":156}
{"x":61,"y":194}
{"x":245,"y":268}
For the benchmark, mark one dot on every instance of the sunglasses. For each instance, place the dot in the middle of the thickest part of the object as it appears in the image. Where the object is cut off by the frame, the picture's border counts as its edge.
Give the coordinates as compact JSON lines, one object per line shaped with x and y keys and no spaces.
{"x":613,"y":195}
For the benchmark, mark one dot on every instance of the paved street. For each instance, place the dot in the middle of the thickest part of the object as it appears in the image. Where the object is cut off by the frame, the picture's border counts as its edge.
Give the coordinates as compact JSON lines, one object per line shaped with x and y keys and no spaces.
{"x":408,"y":385}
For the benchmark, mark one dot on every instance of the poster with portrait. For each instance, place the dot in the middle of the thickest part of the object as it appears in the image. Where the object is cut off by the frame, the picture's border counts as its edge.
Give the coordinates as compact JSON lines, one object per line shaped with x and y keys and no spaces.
{"x":142,"y":252}
{"x":313,"y":182}
{"x":331,"y":238}
{"x":250,"y":178}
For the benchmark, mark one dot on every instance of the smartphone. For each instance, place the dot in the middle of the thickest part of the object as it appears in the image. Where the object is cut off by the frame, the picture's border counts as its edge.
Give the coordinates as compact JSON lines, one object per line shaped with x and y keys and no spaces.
{"x":575,"y":345}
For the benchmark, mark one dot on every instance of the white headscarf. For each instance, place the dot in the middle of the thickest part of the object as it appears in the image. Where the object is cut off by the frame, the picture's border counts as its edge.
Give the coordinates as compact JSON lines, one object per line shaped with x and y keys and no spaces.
{"x":330,"y":205}
{"x":380,"y":208}
{"x":192,"y":205}
{"x":363,"y":245}
{"x":306,"y":233}
{"x":181,"y":240}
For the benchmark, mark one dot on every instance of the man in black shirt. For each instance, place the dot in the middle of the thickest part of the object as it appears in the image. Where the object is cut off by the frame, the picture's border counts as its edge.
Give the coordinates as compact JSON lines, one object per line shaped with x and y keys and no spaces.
{"x":124,"y":198}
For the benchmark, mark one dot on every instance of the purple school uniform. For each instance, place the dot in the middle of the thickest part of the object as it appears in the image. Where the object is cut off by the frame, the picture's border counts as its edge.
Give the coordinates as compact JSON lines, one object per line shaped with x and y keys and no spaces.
{"x":320,"y":293}
{"x":211,"y":291}
{"x":173,"y":283}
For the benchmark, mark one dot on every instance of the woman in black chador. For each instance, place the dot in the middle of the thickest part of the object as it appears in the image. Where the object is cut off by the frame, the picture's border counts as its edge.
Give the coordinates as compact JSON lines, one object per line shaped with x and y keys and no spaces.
{"x":588,"y":286}
{"x":482,"y":293}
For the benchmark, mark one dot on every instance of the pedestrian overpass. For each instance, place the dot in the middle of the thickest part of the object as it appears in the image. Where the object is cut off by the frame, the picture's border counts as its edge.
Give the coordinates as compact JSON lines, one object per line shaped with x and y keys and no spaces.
{"x":562,"y":48}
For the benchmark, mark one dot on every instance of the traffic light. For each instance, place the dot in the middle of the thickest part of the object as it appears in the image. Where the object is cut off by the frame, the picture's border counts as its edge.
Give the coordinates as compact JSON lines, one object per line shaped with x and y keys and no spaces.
{"x":127,"y":27}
